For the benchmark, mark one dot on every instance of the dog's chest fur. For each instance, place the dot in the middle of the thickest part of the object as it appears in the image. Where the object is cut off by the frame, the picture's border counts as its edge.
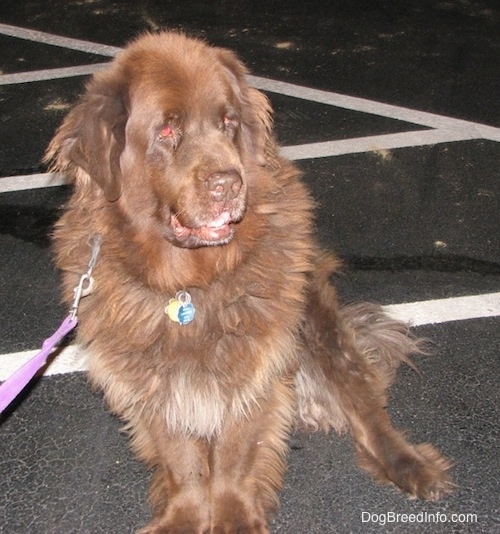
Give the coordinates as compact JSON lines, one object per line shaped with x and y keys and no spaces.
{"x":242,"y":339}
{"x":197,"y":375}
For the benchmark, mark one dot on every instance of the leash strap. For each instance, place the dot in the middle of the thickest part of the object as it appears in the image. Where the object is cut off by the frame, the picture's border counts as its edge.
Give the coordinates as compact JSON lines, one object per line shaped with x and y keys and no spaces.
{"x":11,"y":388}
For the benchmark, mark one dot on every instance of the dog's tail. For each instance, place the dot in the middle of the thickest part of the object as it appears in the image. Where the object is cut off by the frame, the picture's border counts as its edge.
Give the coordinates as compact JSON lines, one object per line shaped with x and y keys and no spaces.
{"x":385,"y":342}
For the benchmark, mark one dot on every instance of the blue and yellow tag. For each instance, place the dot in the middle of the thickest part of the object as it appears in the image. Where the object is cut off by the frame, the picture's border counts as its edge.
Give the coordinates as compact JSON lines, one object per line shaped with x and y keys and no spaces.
{"x":180,"y":309}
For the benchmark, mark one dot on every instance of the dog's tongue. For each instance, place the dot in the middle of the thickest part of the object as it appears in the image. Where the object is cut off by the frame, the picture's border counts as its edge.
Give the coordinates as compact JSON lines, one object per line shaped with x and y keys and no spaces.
{"x":223,"y":219}
{"x":214,"y":231}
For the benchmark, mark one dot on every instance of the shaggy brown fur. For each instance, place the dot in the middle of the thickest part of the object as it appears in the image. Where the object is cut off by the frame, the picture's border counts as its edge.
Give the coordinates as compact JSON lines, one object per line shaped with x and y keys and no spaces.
{"x":175,"y":167}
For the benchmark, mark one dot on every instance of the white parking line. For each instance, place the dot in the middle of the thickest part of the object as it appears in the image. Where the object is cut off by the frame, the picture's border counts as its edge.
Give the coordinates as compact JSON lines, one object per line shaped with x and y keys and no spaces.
{"x":73,"y":358}
{"x":57,"y":40}
{"x":70,"y":359}
{"x":50,"y":74}
{"x":373,"y":143}
{"x":431,"y":120}
{"x":445,"y":310}
{"x":30,"y":181}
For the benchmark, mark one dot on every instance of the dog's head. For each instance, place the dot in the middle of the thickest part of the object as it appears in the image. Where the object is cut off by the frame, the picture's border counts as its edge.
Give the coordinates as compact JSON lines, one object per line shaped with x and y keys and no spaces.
{"x":170,"y":132}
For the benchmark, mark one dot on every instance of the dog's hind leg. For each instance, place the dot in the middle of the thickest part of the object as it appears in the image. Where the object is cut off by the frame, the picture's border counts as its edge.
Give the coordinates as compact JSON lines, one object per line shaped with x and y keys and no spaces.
{"x":348,"y":361}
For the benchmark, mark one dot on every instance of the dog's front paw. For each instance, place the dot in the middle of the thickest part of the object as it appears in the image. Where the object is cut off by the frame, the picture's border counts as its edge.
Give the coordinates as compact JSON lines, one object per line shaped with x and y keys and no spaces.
{"x":178,"y":520}
{"x":162,"y":527}
{"x":237,"y":514}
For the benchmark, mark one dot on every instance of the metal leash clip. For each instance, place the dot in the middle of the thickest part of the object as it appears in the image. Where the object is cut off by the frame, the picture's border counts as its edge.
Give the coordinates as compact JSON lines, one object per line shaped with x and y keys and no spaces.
{"x":86,"y":284}
{"x":80,"y":292}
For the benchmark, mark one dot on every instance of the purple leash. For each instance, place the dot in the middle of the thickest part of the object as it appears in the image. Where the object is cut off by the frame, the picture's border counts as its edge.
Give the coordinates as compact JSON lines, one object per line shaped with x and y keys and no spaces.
{"x":11,"y":388}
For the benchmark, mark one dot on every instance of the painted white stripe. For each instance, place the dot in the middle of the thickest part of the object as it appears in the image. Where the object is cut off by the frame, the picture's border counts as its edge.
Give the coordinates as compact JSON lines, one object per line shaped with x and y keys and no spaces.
{"x":73,"y":358}
{"x":57,"y":40}
{"x":30,"y":181}
{"x":445,"y":310}
{"x":373,"y":143}
{"x":363,"y":105}
{"x":67,"y":360}
{"x":50,"y":74}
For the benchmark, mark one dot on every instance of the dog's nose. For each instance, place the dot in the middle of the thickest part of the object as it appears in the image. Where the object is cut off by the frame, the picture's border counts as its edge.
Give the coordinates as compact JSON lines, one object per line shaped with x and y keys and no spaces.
{"x":224,"y":185}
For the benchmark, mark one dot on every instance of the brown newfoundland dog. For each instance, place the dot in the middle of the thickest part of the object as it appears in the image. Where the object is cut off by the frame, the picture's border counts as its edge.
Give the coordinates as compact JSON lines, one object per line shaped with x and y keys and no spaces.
{"x":212,"y":326}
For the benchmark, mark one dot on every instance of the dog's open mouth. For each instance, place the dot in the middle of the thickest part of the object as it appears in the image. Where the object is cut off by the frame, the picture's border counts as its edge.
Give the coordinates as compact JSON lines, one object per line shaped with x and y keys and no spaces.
{"x":219,"y":231}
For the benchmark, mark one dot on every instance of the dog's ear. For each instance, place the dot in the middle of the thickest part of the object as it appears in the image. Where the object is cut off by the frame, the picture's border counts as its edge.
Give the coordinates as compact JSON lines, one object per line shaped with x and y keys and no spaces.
{"x":257,"y":115}
{"x":257,"y":127}
{"x":92,"y":137}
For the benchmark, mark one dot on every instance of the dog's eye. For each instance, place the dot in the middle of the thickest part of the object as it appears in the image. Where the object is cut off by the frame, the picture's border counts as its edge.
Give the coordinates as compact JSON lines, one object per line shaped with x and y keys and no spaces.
{"x":169,"y":134}
{"x":229,"y":125}
{"x":166,"y":131}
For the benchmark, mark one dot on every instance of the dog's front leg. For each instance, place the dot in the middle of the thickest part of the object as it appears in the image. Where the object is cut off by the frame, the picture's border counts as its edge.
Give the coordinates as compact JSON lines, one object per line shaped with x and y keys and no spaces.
{"x":180,"y":488}
{"x":224,"y":484}
{"x":247,"y":462}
